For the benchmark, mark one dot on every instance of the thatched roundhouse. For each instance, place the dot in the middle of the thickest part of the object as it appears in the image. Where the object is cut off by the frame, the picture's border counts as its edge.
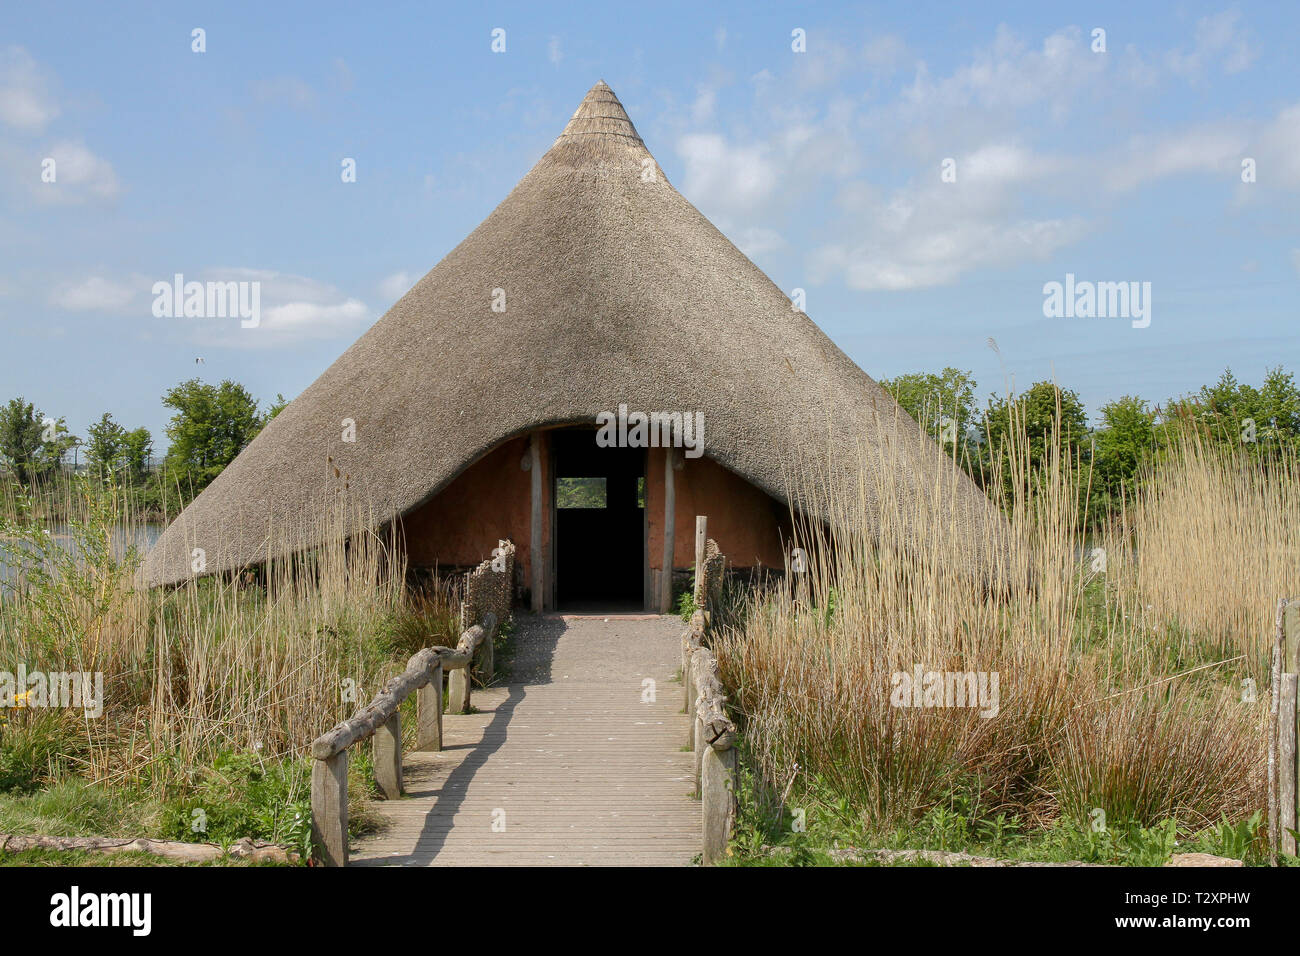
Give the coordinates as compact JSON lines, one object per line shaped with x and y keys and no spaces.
{"x":473,"y":402}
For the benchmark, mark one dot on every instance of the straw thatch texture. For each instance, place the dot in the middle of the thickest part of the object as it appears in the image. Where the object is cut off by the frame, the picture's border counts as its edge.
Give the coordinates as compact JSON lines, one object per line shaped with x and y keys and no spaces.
{"x":617,"y":290}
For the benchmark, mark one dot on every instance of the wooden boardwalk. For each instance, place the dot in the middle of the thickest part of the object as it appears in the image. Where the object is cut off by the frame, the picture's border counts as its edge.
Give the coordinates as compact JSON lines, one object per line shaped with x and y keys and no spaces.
{"x":564,"y":765}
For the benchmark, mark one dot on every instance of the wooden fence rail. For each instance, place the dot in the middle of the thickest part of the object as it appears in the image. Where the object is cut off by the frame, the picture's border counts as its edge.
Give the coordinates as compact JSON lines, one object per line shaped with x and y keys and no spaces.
{"x":487,"y":602}
{"x":380,"y":722}
{"x":1283,"y":752}
{"x":712,"y":733}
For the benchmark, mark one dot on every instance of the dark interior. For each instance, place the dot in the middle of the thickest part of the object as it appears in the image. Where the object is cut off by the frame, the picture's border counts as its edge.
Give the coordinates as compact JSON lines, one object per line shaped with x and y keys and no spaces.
{"x":599,"y":523}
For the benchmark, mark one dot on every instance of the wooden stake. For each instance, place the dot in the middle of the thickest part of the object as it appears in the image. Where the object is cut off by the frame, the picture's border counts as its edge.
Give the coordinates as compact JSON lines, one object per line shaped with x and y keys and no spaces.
{"x":329,"y":809}
{"x":428,"y":703}
{"x":386,"y":755}
{"x":670,"y":511}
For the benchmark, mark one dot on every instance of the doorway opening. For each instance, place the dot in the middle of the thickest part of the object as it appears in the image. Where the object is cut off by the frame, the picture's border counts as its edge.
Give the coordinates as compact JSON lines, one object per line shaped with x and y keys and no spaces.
{"x":600,"y":528}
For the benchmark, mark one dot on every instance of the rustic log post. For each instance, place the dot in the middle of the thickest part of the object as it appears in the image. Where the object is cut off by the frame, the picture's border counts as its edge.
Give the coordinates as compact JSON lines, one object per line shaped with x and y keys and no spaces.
{"x":1275,"y":695}
{"x":486,"y":665}
{"x":701,"y":536}
{"x":386,"y":755}
{"x":428,"y":703}
{"x":717,"y":801}
{"x":670,"y":511}
{"x":1286,"y":765}
{"x":536,"y":554}
{"x":458,"y":690}
{"x":329,"y":809}
{"x":701,"y":745}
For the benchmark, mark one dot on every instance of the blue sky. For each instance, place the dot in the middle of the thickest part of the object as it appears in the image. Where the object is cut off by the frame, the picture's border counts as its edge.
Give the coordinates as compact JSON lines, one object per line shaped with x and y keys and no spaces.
{"x":824,"y":166}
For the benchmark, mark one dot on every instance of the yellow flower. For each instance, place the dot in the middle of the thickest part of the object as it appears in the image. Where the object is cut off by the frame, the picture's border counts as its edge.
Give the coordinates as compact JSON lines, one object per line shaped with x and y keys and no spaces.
{"x":21,"y":699}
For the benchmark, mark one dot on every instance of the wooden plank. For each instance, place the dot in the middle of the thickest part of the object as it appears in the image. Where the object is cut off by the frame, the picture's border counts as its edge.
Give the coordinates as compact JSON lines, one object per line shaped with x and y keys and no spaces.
{"x":585,"y":771}
{"x":329,"y":809}
{"x":670,"y":514}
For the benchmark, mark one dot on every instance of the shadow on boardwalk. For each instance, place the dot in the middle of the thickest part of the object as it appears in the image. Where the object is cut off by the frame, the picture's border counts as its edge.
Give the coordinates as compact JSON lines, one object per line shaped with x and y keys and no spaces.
{"x":567,"y":763}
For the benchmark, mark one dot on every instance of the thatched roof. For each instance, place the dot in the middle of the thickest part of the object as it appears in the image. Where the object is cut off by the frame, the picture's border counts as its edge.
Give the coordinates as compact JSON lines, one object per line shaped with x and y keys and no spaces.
{"x":617,"y":291}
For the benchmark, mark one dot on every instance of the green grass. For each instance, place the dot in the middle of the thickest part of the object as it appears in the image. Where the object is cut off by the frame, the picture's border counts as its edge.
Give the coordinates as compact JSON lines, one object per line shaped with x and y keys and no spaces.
{"x":960,"y":825}
{"x":82,"y":858}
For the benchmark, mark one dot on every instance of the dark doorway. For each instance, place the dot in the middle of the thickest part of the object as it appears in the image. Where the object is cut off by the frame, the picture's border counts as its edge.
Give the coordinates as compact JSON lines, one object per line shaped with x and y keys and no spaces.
{"x":599,"y":500}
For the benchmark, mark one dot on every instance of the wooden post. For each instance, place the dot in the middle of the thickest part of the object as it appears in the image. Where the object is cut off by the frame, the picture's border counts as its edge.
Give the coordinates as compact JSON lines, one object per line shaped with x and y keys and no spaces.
{"x":701,"y":538}
{"x":670,"y":511}
{"x":386,"y":755}
{"x":717,"y":801}
{"x":486,"y":665}
{"x":701,"y":745}
{"x":1286,"y":765}
{"x":458,"y":690}
{"x":536,"y":554}
{"x":428,"y":704}
{"x":329,"y":809}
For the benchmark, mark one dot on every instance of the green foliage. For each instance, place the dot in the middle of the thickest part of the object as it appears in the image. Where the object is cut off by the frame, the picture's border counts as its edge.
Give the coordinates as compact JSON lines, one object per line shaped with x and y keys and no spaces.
{"x":686,"y":604}
{"x":212,"y":424}
{"x":75,"y":583}
{"x":35,"y":746}
{"x":113,"y":453}
{"x":240,"y":795}
{"x":943,"y":404}
{"x":31,"y":443}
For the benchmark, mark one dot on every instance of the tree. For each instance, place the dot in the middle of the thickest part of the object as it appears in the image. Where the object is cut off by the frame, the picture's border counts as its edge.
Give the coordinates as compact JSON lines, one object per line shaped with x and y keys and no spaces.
{"x":31,"y":442}
{"x":943,"y":404}
{"x":1125,"y":440}
{"x":137,"y":446}
{"x":104,"y":447}
{"x":212,"y":424}
{"x":1029,"y":423}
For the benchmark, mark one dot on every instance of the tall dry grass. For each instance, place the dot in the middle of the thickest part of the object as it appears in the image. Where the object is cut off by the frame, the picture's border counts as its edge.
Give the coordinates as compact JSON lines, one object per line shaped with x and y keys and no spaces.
{"x":227,"y":662}
{"x":1096,"y":709}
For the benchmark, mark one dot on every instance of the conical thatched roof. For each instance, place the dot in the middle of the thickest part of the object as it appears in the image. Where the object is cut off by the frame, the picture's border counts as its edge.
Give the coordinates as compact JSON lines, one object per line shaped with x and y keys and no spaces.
{"x":617,"y":290}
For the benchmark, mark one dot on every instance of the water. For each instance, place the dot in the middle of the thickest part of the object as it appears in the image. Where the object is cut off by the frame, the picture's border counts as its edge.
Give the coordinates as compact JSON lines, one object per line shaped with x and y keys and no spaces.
{"x":142,"y":535}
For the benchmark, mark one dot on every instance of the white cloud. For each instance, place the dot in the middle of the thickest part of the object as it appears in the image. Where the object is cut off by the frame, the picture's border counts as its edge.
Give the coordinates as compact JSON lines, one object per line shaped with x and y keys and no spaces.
{"x":25,"y":100}
{"x":79,"y":175}
{"x":393,"y":287}
{"x":553,"y":51}
{"x":294,"y":309}
{"x":1219,"y":39}
{"x":731,"y":177}
{"x":98,"y":294}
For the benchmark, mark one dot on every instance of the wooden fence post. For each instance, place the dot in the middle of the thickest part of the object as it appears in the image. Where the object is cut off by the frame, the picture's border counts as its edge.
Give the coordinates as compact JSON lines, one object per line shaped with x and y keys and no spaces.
{"x":329,"y":809}
{"x":718,"y":801}
{"x":486,"y":665}
{"x":701,"y":537}
{"x":428,"y":703}
{"x":670,"y":515}
{"x":386,"y":754}
{"x":1286,"y":765}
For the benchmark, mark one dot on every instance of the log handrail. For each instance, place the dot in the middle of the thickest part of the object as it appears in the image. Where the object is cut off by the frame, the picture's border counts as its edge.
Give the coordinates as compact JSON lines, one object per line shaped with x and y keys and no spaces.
{"x":420,"y":669}
{"x":713,"y":733}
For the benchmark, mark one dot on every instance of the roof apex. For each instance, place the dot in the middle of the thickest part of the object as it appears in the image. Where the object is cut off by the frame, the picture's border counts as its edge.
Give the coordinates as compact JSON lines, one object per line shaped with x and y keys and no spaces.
{"x":600,"y":114}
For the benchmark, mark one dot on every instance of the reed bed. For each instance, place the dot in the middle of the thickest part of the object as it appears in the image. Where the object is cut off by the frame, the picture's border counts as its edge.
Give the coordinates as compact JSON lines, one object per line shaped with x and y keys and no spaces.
{"x":1120,"y":684}
{"x":256,"y":663}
